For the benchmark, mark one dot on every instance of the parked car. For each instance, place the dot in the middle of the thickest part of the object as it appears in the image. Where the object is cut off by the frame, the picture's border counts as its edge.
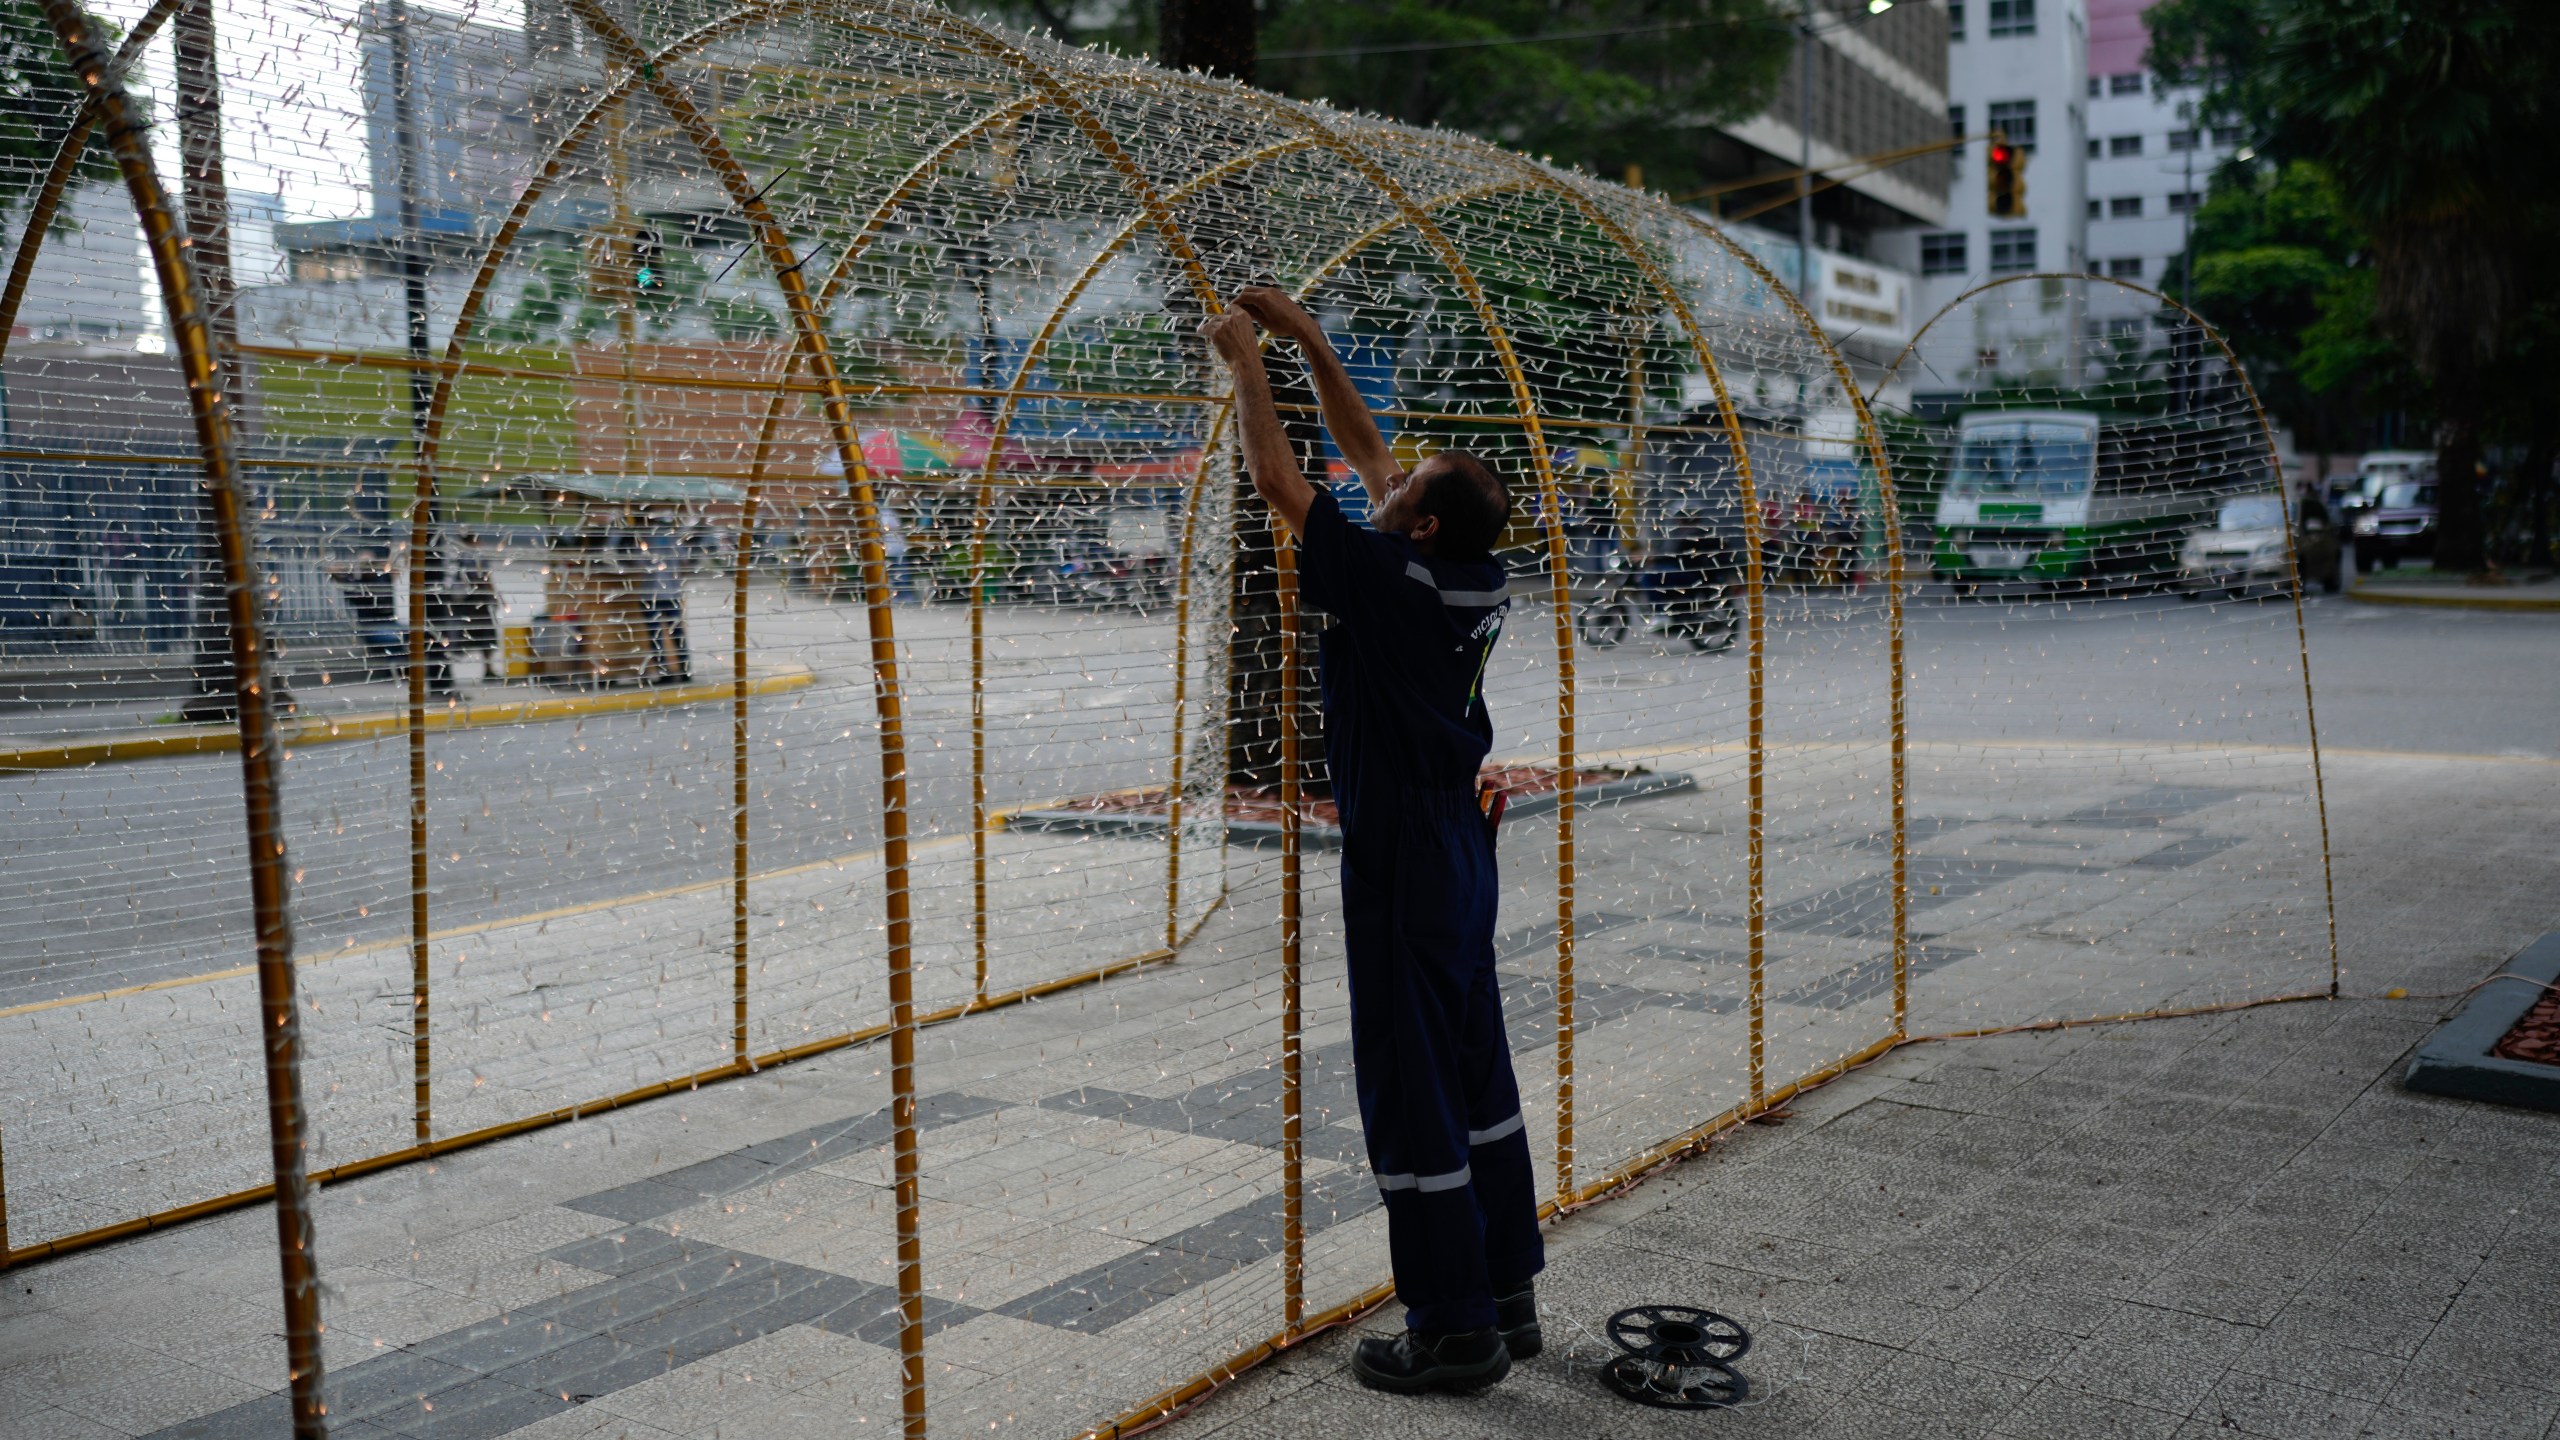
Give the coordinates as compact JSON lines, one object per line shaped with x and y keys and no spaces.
{"x":2377,"y":471}
{"x":2245,"y":551}
{"x":2400,"y":524}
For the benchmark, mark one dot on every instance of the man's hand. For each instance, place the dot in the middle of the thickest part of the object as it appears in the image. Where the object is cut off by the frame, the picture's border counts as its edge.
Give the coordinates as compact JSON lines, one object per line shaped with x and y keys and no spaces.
{"x":1267,"y":456}
{"x":1232,"y":336}
{"x":1279,"y":314}
{"x":1346,"y":414}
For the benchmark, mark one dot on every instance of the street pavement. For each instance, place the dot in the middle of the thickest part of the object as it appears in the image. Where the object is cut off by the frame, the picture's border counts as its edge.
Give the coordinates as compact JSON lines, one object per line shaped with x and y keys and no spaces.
{"x":125,"y":874}
{"x":2111,"y":811}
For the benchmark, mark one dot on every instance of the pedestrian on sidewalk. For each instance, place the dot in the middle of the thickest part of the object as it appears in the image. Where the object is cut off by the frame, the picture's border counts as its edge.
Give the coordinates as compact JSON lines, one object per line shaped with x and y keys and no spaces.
{"x":1417,"y":601}
{"x":661,"y":558}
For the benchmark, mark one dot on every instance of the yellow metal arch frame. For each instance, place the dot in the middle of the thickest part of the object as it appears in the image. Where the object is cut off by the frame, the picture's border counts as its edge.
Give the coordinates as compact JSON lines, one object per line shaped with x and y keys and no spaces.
{"x":640,"y":70}
{"x":2275,"y":464}
{"x":261,"y":750}
{"x":888,"y":702}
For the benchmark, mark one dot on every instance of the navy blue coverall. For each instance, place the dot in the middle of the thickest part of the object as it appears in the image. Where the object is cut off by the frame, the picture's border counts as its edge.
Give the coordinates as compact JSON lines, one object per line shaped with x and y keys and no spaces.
{"x":1405,"y":733}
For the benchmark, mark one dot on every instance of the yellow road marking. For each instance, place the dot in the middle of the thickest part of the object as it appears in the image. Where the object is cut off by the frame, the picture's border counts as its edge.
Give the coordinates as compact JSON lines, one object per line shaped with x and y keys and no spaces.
{"x":373,"y":724}
{"x":2529,"y":605}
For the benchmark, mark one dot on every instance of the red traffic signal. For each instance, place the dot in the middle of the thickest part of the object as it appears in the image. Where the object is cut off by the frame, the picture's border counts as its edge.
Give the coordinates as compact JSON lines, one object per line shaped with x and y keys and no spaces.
{"x":2005,"y":178}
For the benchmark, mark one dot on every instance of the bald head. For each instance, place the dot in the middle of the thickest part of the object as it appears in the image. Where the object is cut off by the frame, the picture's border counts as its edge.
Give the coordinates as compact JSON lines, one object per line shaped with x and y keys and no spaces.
{"x":1471,"y":503}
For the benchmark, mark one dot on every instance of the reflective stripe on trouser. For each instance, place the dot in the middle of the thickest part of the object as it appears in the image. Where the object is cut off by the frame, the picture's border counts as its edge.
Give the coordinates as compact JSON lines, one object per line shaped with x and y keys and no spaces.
{"x":1438,"y":1101}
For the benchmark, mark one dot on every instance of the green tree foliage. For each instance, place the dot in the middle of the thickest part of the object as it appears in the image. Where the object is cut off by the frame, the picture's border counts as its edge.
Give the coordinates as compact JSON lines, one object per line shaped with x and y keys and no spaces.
{"x":2437,"y":125}
{"x":2288,"y":278}
{"x":39,"y":96}
{"x":1597,"y":83}
{"x":1619,"y":82}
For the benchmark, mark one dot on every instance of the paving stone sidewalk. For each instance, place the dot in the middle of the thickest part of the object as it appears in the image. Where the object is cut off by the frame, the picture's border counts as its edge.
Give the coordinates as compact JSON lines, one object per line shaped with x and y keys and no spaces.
{"x":2228,"y":1225}
{"x":2114,"y":1230}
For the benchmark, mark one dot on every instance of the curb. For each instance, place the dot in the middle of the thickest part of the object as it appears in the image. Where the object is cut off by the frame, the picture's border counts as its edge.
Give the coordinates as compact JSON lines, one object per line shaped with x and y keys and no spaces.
{"x":2535,"y":604}
{"x":165,"y":742}
{"x":1265,"y":834}
{"x":2456,"y":1061}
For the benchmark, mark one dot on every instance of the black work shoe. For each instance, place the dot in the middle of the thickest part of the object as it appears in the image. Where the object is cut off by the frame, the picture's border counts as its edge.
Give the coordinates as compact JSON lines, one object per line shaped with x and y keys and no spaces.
{"x":1516,"y":1316}
{"x":1414,"y":1361}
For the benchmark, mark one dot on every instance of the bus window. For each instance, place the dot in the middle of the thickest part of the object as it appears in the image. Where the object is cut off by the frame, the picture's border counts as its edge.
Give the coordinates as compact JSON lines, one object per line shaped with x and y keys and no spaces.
{"x":2053,"y":465}
{"x":2252,"y":512}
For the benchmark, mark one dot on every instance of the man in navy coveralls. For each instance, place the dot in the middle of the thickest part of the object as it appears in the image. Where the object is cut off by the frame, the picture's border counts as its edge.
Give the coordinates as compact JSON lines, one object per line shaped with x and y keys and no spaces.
{"x":1416,"y":602}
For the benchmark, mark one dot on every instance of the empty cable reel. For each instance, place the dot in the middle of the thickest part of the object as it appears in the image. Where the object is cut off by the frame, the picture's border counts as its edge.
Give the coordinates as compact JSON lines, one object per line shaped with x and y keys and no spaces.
{"x":1677,"y":1357}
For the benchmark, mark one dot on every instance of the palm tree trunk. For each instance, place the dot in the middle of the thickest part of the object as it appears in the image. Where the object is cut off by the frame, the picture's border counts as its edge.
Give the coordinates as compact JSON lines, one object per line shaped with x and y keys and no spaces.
{"x":2461,"y":532}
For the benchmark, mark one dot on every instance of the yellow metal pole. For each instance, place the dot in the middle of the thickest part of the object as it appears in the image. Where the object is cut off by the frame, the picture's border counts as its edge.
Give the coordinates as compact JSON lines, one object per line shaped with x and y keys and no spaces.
{"x":422,"y":539}
{"x":261,"y":754}
{"x":811,"y":334}
{"x":1293,"y":1232}
{"x":1182,"y":677}
{"x":738,"y":786}
{"x":979,"y":518}
{"x":619,"y":267}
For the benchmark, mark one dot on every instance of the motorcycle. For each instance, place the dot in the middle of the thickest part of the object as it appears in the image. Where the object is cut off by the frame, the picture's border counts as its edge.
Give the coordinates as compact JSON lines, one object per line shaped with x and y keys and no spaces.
{"x":1679,"y":595}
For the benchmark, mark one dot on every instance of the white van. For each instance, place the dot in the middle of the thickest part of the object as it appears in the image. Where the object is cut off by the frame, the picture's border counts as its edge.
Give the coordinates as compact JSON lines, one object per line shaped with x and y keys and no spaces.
{"x":2379,"y":468}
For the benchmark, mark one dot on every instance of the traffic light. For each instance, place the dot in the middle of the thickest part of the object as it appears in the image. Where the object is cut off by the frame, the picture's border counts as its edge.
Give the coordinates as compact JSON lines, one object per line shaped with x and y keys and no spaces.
{"x":648,"y":270}
{"x":2005,"y":177}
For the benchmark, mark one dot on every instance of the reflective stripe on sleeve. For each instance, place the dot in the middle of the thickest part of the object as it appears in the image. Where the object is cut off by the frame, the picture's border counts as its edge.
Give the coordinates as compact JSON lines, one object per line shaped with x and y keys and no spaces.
{"x":1427,"y":1183}
{"x":1495,"y":1132}
{"x":1414,"y":570}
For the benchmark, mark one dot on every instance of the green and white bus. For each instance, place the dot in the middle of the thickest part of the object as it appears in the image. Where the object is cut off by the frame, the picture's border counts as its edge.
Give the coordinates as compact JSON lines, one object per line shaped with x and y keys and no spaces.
{"x":2071,"y":499}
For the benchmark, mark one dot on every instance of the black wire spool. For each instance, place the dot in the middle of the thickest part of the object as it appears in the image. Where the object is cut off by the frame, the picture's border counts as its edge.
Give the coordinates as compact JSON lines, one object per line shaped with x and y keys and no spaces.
{"x":1678,"y":1357}
{"x":1679,"y":1334}
{"x":1691,"y":1385}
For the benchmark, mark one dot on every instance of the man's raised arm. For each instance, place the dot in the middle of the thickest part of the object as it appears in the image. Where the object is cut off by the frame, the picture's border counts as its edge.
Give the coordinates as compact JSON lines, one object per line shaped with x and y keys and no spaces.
{"x":1346,"y":415}
{"x":1268,"y":456}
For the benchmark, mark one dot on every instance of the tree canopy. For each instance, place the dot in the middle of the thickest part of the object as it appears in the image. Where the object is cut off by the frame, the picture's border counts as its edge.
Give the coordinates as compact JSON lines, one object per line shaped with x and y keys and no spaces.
{"x":1598,"y":83}
{"x":2430,"y":130}
{"x":39,"y":96}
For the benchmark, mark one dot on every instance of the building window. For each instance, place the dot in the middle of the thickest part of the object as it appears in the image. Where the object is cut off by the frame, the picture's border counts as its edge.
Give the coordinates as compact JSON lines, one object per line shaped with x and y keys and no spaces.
{"x":2181,"y":140}
{"x":2228,"y":136}
{"x":2093,"y":87}
{"x":1943,"y":254}
{"x":1955,"y":122}
{"x":2012,"y":17}
{"x":2184,"y":202}
{"x":2127,"y":268}
{"x":1955,"y":19}
{"x":2125,"y":84}
{"x":2125,"y":207}
{"x":2015,"y":119}
{"x":2097,"y":147}
{"x":2096,"y":208}
{"x":2013,"y":250}
{"x":2119,"y":146}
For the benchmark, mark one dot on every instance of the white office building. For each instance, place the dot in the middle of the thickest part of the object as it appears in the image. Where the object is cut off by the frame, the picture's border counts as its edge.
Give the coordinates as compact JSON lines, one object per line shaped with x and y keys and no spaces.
{"x":2149,"y":162}
{"x":87,"y":284}
{"x":2019,"y":67}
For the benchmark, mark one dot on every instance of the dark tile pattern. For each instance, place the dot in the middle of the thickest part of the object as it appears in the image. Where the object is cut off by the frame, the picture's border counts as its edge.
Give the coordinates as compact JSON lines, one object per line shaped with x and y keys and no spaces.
{"x":668,"y":1303}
